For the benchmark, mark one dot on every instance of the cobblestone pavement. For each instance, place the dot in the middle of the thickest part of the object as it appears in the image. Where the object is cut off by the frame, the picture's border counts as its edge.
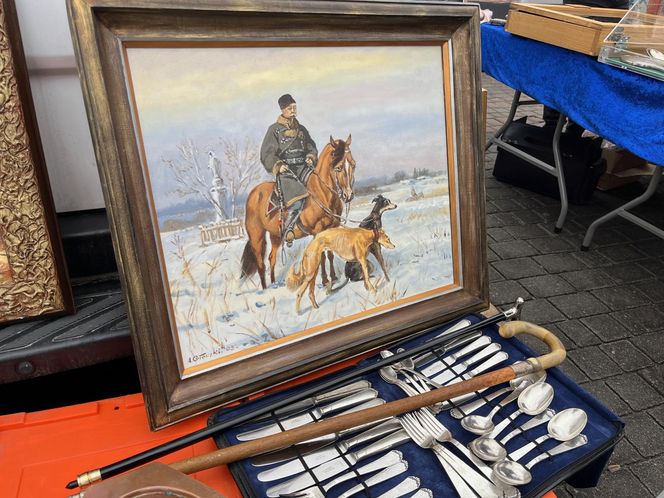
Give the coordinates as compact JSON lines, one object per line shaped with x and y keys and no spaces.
{"x":605,"y":303}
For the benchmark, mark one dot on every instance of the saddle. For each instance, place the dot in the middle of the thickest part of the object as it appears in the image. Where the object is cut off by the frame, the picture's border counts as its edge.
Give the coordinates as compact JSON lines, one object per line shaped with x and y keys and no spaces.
{"x":273,"y":202}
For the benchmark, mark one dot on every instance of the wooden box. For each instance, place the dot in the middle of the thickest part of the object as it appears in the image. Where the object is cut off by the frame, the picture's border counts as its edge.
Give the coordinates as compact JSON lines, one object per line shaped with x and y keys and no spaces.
{"x":575,"y":27}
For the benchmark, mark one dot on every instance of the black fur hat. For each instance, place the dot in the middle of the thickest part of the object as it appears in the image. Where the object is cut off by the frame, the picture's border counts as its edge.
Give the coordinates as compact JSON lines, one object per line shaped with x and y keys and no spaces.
{"x":286,"y":100}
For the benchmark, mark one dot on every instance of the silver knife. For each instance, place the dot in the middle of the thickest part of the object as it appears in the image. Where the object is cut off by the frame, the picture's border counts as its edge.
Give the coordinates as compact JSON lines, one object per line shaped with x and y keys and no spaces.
{"x":382,"y":476}
{"x":305,"y":404}
{"x":497,"y":358}
{"x":334,"y":467}
{"x":311,"y":416}
{"x":451,"y":359}
{"x":460,"y":368}
{"x":323,"y":455}
{"x":408,"y":485}
{"x":391,"y":458}
{"x":427,"y":357}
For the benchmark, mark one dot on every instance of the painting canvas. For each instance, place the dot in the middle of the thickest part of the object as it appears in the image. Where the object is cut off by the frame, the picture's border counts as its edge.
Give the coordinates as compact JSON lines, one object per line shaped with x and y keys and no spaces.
{"x":5,"y":268}
{"x":289,"y":184}
{"x":362,"y":132}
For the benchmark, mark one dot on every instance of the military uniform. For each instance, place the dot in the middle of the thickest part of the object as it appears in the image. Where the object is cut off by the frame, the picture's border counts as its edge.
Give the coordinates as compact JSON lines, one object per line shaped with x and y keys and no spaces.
{"x":288,"y":142}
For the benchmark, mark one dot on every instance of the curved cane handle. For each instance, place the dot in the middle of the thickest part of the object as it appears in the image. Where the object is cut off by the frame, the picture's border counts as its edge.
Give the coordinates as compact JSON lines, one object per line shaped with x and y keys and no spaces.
{"x":556,"y":353}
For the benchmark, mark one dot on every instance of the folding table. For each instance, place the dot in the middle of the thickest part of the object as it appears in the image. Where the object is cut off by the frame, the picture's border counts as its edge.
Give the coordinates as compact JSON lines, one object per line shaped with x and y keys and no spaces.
{"x":620,"y":106}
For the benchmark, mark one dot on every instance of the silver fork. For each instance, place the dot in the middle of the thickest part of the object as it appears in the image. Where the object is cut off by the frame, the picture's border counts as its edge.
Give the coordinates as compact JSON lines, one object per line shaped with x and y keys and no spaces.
{"x":424,"y":440}
{"x":443,"y":435}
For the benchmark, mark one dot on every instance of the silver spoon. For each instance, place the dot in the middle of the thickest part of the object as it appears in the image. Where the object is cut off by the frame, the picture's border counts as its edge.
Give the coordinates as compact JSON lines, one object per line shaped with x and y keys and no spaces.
{"x":408,"y":365}
{"x":515,"y":474}
{"x":533,"y":400}
{"x":565,"y":425}
{"x":536,"y":421}
{"x":488,"y":449}
{"x":518,"y":384}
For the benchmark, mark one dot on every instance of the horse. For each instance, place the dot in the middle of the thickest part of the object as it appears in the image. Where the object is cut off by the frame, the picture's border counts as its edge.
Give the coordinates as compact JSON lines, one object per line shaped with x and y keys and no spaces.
{"x":330,"y":187}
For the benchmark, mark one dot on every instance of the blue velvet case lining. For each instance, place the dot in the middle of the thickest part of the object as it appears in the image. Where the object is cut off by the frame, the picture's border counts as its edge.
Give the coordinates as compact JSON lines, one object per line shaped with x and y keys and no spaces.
{"x":581,"y":467}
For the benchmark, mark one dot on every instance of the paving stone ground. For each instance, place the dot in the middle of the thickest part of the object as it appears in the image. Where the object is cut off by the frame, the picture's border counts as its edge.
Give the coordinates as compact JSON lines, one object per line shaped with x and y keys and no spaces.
{"x":604,"y":303}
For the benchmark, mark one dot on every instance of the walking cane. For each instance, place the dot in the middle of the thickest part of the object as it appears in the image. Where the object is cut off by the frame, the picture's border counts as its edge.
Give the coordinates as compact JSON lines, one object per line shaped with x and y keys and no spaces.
{"x":248,"y":449}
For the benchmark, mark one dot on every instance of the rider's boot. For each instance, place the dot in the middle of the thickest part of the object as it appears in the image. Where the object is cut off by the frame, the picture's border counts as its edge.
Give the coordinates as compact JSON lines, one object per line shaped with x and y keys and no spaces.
{"x":293,"y":215}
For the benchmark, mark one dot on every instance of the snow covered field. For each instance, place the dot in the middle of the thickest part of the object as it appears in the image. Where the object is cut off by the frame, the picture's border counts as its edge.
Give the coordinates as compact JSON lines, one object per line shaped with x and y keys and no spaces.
{"x":217,"y":313}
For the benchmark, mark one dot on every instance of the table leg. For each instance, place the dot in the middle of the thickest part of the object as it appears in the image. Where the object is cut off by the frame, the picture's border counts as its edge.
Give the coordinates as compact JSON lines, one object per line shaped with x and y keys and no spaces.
{"x":556,"y":170}
{"x":559,"y":174}
{"x":510,"y":118}
{"x":622,"y":212}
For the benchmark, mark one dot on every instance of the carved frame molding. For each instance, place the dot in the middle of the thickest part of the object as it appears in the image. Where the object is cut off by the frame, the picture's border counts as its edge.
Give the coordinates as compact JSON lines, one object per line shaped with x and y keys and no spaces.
{"x":34,"y":281}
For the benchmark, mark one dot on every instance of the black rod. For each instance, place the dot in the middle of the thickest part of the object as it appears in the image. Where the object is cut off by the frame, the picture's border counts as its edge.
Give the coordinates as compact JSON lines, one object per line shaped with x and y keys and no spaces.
{"x":197,"y":436}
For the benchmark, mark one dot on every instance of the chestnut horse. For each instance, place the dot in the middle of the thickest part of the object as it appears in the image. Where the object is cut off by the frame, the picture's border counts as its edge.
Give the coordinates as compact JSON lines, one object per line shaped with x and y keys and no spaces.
{"x":330,"y":186}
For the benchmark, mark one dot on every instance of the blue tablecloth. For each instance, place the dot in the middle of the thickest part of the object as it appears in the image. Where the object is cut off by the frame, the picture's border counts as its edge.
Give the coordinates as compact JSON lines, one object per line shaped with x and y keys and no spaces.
{"x":623,"y":107}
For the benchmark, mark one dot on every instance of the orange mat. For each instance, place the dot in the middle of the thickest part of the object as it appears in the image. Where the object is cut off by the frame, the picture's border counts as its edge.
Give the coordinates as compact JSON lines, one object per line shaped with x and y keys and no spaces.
{"x":41,"y":452}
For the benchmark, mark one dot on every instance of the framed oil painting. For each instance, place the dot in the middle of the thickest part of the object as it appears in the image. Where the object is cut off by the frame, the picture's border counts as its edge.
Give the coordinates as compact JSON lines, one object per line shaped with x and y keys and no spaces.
{"x":33,"y":275}
{"x":289,"y":184}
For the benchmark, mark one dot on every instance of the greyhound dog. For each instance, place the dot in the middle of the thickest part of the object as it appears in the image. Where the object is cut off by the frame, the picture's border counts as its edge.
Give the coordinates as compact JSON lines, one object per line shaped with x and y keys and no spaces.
{"x":374,"y":221}
{"x":351,"y":244}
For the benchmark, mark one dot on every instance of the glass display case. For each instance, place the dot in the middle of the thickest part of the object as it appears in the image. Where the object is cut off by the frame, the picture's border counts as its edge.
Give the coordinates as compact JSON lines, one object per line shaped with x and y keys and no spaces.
{"x":636,"y":43}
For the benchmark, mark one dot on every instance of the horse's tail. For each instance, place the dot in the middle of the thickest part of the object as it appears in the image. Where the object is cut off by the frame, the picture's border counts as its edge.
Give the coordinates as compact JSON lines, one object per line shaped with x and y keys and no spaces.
{"x":249,"y":261}
{"x":294,"y":278}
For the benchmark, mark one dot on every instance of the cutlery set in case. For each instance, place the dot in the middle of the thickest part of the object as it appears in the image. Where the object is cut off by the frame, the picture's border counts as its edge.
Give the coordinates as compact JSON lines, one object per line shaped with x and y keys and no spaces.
{"x":555,"y":429}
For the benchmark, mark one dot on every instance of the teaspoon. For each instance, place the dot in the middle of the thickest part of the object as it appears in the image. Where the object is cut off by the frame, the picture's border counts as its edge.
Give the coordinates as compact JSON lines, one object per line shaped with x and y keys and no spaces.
{"x":564,"y":425}
{"x":533,"y":400}
{"x":490,"y":450}
{"x":518,"y":384}
{"x":515,"y":474}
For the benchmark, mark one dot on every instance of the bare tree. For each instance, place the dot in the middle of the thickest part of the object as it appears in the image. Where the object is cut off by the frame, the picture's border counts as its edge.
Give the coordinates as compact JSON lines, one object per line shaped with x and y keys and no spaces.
{"x":242,"y":168}
{"x":194,"y":178}
{"x":219,"y":182}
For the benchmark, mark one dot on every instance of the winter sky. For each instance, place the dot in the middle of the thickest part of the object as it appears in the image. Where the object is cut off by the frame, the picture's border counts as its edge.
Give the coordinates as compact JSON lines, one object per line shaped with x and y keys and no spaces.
{"x":389,"y":97}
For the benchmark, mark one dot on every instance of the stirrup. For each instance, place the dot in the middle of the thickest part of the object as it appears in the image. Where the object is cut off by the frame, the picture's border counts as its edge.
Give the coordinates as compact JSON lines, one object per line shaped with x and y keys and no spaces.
{"x":289,"y":237}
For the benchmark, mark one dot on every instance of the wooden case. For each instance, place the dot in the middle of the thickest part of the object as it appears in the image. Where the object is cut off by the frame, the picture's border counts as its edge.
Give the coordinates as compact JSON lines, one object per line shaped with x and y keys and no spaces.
{"x":575,"y":27}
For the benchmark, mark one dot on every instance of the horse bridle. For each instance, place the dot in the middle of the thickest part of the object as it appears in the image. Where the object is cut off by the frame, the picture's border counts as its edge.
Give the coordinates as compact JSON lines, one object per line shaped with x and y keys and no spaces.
{"x":338,"y":168}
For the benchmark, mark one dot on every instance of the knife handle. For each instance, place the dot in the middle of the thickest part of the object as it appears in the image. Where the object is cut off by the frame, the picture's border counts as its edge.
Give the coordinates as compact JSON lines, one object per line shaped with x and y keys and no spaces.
{"x":384,"y":444}
{"x":426,"y":358}
{"x":361,"y":427}
{"x":391,"y":458}
{"x":382,"y":476}
{"x":342,"y":391}
{"x":380,"y":430}
{"x":408,"y":485}
{"x":491,"y":362}
{"x":387,"y":460}
{"x":486,"y":352}
{"x":449,"y":360}
{"x":352,"y":400}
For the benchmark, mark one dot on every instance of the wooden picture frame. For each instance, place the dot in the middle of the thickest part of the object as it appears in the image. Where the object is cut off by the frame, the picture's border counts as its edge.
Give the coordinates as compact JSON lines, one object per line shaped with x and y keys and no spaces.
{"x":33,"y":275}
{"x":125,"y":48}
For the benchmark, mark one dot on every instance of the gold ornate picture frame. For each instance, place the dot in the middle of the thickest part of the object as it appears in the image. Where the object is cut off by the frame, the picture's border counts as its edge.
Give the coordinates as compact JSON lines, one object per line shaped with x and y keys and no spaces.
{"x":33,"y":275}
{"x":214,"y":317}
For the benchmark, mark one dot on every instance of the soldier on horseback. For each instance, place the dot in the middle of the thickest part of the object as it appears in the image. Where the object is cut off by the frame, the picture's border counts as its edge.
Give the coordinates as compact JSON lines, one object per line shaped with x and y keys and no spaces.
{"x":289,"y":153}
